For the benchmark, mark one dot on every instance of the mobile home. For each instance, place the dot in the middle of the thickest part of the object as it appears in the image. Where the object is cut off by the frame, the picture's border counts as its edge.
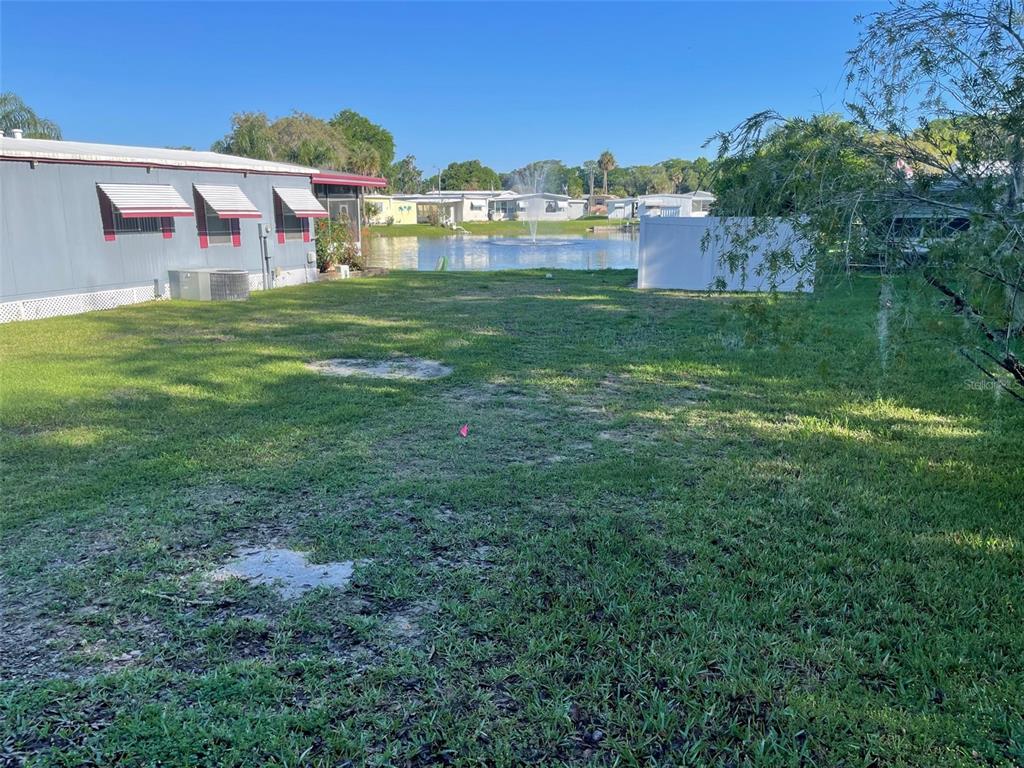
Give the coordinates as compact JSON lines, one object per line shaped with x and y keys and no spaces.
{"x":93,"y":226}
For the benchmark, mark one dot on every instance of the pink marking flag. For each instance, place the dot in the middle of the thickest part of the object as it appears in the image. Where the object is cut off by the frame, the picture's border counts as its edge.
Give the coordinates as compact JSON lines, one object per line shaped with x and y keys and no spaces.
{"x":464,"y":430}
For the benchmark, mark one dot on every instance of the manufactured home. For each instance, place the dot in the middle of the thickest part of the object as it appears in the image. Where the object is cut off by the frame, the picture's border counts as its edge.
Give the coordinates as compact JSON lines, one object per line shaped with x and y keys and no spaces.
{"x":536,"y":206}
{"x":688,"y":204}
{"x":93,"y":226}
{"x":462,"y":204}
{"x":384,"y":209}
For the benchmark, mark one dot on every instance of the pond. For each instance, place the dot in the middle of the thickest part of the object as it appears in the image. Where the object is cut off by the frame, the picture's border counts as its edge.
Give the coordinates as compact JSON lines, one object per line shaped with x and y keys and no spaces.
{"x":603,"y":250}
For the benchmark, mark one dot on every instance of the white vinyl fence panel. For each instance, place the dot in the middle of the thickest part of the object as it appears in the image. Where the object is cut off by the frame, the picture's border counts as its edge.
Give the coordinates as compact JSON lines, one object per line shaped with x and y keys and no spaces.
{"x":675,"y":254}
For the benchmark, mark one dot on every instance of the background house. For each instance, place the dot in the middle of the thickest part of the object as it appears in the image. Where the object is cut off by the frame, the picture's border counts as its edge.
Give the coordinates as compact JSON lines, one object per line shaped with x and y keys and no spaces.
{"x":620,"y":207}
{"x":465,"y":204}
{"x":696,"y":203}
{"x":538,"y":206}
{"x":687,"y":204}
{"x":385,"y":209}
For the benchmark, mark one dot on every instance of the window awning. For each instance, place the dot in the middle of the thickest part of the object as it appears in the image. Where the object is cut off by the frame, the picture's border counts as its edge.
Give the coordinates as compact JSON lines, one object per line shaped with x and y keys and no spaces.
{"x":138,"y":201}
{"x":228,"y":202}
{"x":301,"y":202}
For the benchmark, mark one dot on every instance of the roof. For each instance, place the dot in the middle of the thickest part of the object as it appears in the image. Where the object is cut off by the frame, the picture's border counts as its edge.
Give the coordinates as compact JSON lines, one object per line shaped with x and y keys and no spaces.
{"x":545,"y":195}
{"x":671,"y":198}
{"x":470,"y":193}
{"x":348,"y":179}
{"x":432,"y":198}
{"x":50,"y":151}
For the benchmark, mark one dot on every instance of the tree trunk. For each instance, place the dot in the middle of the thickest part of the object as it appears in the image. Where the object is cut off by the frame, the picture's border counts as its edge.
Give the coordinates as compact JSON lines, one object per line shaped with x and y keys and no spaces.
{"x":605,"y":187}
{"x":1016,"y":186}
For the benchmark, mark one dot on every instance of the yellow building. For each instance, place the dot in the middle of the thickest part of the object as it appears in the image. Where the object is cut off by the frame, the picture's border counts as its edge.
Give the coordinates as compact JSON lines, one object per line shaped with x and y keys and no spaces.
{"x":383,"y":209}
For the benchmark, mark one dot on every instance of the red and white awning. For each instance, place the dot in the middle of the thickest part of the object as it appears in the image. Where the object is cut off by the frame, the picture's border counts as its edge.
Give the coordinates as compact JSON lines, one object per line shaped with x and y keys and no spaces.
{"x":138,"y":201}
{"x":301,"y":202}
{"x":228,"y":202}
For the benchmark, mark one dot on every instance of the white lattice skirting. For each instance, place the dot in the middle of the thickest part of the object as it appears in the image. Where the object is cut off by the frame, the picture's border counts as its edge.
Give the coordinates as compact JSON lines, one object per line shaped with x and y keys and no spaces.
{"x":76,"y":303}
{"x":73,"y":303}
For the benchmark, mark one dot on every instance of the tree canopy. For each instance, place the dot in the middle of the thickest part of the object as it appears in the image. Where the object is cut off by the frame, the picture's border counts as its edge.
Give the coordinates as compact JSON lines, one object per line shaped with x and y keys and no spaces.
{"x":15,"y":113}
{"x":297,"y":138}
{"x":926,"y":180}
{"x":359,"y":133}
{"x":347,"y":142}
{"x":404,"y":177}
{"x":469,"y":174}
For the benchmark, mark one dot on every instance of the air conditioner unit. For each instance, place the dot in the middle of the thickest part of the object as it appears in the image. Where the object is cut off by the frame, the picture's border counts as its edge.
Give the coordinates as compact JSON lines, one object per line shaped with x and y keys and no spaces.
{"x":209,"y":284}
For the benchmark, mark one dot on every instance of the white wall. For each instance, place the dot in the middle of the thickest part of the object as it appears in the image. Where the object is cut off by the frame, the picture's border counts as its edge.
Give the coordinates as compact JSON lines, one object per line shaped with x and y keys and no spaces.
{"x":575,"y":209}
{"x":672,"y":253}
{"x":615,"y":212}
{"x":471,"y":209}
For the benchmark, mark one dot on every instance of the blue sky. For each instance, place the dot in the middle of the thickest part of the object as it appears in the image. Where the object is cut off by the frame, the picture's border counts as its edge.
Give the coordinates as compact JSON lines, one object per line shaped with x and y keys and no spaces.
{"x":506,"y":83}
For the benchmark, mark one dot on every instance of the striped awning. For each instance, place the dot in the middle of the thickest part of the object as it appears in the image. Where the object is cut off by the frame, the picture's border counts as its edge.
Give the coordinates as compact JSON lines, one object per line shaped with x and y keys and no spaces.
{"x":301,"y":202}
{"x":228,"y":202}
{"x":137,"y":201}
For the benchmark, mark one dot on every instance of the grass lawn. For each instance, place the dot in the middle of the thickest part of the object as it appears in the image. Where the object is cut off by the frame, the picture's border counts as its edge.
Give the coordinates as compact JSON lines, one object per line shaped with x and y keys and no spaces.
{"x":507,"y":228}
{"x":677,"y":533}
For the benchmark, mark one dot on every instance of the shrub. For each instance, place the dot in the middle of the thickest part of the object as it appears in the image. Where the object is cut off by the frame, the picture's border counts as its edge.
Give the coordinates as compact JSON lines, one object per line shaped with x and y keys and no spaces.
{"x":335,"y":245}
{"x":371,"y":211}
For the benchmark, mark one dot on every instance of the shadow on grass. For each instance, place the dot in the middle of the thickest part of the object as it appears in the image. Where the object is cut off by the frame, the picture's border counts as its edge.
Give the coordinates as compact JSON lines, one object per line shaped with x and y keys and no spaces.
{"x":669,"y":525}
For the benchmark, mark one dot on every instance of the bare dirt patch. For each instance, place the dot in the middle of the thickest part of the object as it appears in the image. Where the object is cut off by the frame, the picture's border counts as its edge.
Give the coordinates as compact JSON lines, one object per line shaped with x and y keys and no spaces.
{"x":32,"y":644}
{"x":479,"y":558}
{"x":414,"y":368}
{"x":405,"y":626}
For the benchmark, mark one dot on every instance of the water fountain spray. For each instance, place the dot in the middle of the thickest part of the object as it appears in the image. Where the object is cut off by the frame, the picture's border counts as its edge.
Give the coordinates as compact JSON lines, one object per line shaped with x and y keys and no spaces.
{"x":532,"y":180}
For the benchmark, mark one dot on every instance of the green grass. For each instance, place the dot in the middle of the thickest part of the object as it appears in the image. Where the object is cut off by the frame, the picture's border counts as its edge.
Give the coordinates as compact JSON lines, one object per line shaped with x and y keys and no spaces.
{"x":681,"y":532}
{"x":507,"y":228}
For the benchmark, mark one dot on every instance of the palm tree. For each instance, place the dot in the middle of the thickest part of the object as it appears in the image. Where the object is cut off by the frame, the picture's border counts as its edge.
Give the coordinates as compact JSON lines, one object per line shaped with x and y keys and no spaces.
{"x":15,"y":113}
{"x":606,"y":162}
{"x":363,"y":158}
{"x":590,"y":169}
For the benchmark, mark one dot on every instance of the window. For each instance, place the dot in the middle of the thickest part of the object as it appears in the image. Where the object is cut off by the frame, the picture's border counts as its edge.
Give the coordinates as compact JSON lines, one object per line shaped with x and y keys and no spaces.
{"x":951,"y":227}
{"x":146,"y":225}
{"x":293,"y":208}
{"x":476,"y":206}
{"x":214,"y":230}
{"x":139,"y":209}
{"x":551,"y":207}
{"x":291,"y":225}
{"x":219,"y":210}
{"x":288,"y":225}
{"x":218,"y":230}
{"x":701,"y":206}
{"x":504,"y":208}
